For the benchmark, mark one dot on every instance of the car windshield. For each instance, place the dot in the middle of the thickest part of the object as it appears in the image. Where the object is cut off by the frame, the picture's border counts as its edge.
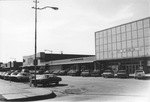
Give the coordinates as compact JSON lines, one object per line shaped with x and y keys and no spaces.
{"x":139,"y":71}
{"x":122,"y":71}
{"x":24,"y":74}
{"x":14,"y":73}
{"x":107,"y":71}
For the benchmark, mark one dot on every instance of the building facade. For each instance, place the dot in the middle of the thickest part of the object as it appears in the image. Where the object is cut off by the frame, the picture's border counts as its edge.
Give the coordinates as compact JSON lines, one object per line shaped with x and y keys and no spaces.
{"x":53,"y":61}
{"x":126,"y":46}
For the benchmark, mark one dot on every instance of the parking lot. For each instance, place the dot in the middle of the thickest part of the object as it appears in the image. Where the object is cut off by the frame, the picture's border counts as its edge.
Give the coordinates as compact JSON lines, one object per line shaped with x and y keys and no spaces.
{"x":78,"y":88}
{"x":104,"y":89}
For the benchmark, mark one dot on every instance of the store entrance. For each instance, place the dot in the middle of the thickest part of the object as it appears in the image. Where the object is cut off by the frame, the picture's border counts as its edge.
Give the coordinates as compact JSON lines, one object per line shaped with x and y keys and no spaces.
{"x":130,"y":68}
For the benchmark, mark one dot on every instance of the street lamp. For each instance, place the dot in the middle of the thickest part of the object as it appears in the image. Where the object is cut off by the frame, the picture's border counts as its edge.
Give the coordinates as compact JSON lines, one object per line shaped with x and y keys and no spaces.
{"x":35,"y":59}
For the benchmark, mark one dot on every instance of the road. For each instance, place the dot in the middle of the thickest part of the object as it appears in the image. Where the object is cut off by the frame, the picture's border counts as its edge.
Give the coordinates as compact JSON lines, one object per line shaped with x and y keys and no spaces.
{"x":101,"y":89}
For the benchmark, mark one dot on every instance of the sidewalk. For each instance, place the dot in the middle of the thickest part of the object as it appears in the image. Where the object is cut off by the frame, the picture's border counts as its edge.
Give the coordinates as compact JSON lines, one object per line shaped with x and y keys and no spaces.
{"x":13,"y":91}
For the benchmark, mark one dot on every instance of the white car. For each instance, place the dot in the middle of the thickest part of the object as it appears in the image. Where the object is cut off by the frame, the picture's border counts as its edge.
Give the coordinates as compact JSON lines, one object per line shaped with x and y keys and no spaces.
{"x":139,"y":74}
{"x":22,"y":76}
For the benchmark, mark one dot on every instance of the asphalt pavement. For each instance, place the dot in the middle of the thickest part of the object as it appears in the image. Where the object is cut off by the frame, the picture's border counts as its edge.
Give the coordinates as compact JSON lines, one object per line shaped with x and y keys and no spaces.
{"x":19,"y":91}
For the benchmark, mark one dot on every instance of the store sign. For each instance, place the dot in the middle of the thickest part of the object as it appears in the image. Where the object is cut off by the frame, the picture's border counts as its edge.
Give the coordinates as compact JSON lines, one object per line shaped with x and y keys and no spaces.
{"x":128,"y":50}
{"x":76,"y":59}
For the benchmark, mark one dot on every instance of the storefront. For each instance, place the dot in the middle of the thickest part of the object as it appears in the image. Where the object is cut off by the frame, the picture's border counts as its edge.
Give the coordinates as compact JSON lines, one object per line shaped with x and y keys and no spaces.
{"x":126,"y":46}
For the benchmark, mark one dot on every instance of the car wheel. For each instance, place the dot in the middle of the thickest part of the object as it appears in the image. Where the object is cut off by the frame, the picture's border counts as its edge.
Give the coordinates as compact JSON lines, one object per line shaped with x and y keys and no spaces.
{"x":35,"y":84}
{"x":57,"y":83}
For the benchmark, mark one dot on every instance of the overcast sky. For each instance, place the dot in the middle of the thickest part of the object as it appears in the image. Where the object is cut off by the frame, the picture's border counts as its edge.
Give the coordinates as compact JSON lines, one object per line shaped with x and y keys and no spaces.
{"x":70,"y":29}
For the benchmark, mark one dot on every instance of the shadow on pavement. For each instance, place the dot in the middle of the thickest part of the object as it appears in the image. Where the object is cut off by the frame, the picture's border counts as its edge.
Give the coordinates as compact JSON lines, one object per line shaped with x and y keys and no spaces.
{"x":52,"y":85}
{"x":35,"y":98}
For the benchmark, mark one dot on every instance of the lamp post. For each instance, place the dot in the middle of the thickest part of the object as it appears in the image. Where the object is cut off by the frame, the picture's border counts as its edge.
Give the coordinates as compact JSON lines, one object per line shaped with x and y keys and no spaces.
{"x":36,"y":8}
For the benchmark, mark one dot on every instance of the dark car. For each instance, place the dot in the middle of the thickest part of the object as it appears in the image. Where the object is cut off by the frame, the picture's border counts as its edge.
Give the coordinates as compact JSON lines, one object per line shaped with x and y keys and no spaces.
{"x":46,"y":79}
{"x":122,"y":74}
{"x":56,"y":72}
{"x":74,"y":73}
{"x":96,"y":73}
{"x":108,"y":74}
{"x":63,"y":72}
{"x":86,"y":73}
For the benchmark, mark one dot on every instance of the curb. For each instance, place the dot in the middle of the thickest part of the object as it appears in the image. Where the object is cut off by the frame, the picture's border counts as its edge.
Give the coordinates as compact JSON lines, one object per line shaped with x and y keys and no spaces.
{"x":33,"y":98}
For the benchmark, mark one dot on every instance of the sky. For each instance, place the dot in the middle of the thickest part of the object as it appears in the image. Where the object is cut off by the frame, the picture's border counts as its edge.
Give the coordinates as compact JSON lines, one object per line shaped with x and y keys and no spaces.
{"x":70,"y":29}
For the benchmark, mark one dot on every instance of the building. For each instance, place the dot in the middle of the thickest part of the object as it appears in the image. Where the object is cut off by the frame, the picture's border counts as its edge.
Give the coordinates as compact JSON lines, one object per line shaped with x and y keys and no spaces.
{"x":11,"y":66}
{"x":125,"y":46}
{"x":52,"y":61}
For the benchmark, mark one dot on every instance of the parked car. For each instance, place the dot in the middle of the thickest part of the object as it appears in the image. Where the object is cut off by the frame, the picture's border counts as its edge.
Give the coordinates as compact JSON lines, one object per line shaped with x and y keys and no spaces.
{"x":13,"y":76}
{"x":96,"y":73}
{"x":56,"y":72}
{"x":122,"y":74}
{"x":108,"y":74}
{"x":22,"y":76}
{"x":139,"y":74}
{"x":86,"y":73}
{"x":74,"y":72}
{"x":63,"y":72}
{"x":7,"y":75}
{"x":3,"y":74}
{"x":46,"y":79}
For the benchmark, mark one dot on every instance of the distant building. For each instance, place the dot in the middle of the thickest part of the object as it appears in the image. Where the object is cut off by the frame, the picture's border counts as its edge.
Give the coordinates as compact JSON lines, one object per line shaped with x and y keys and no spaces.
{"x":125,"y":46}
{"x":55,"y":61}
{"x":11,"y":66}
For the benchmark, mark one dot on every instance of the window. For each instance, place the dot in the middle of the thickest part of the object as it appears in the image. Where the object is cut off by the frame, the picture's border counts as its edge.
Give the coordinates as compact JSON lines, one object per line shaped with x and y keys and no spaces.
{"x":119,"y":45}
{"x":101,"y":48}
{"x":129,"y":54}
{"x":101,"y":56}
{"x":146,"y":32}
{"x":101,"y":34}
{"x":118,"y":30}
{"x":140,"y":24}
{"x":141,"y":42}
{"x":118,"y":37}
{"x":119,"y":55}
{"x":114,"y":54}
{"x":128,"y":35}
{"x":105,"y":47}
{"x":134,"y":43}
{"x":97,"y":42}
{"x":101,"y":41}
{"x":109,"y":54}
{"x":109,"y":32}
{"x":97,"y":49}
{"x":109,"y":39}
{"x":123,"y":36}
{"x":97,"y":35}
{"x":129,"y":44}
{"x":147,"y":41}
{"x":123,"y":28}
{"x":105,"y":55}
{"x":105,"y":40}
{"x":97,"y":56}
{"x":105,"y":34}
{"x":134,"y":26}
{"x":147,"y":50}
{"x":113,"y":31}
{"x":114,"y":46}
{"x":146,"y":23}
{"x":123,"y":44}
{"x":141,"y":51}
{"x":135,"y":53}
{"x":124,"y":54}
{"x":128,"y":26}
{"x":114,"y":38}
{"x":140,"y":33}
{"x":134,"y":35}
{"x":109,"y":47}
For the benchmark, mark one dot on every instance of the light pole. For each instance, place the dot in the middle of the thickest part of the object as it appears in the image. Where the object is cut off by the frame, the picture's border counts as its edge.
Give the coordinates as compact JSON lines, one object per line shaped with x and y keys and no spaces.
{"x":36,"y":8}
